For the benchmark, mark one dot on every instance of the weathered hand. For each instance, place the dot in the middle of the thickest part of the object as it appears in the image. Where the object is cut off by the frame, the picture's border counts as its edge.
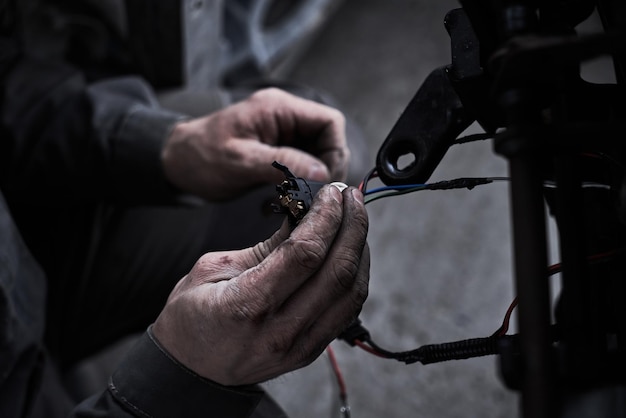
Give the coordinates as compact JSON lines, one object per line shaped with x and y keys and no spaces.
{"x":220,"y":155}
{"x":242,"y":317}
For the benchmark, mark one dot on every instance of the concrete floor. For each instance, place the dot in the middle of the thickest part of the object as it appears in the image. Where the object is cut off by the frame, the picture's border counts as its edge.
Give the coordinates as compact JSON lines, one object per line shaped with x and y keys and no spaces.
{"x":441,"y":264}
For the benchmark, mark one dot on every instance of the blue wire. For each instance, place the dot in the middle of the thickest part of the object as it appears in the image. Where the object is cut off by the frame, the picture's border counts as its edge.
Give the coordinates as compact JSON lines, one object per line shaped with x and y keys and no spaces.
{"x":388,"y":188}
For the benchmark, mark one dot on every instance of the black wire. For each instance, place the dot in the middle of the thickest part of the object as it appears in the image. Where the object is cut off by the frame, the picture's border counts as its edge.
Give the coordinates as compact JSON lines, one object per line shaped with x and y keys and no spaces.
{"x":464,"y":349}
{"x":612,"y":160}
{"x":436,"y":353}
{"x":381,"y":350}
{"x":473,"y":138}
{"x":367,"y":178}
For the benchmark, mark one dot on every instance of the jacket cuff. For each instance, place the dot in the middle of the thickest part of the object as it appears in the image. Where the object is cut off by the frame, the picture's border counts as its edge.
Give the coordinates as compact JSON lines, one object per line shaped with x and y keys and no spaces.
{"x":132,"y":127}
{"x":138,"y":147}
{"x":150,"y":382}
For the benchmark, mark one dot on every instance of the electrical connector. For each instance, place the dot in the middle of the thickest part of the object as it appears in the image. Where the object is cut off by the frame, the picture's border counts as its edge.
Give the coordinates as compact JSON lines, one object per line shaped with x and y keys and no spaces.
{"x":295,"y":194}
{"x":355,"y":332}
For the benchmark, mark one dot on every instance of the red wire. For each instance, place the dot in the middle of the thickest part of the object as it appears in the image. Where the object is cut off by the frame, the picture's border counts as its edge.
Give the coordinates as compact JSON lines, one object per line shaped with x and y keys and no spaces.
{"x":553,"y":269}
{"x":370,"y":175}
{"x":591,"y":155}
{"x":369,"y":349}
{"x":507,"y":318}
{"x":343,"y":392}
{"x":602,"y":255}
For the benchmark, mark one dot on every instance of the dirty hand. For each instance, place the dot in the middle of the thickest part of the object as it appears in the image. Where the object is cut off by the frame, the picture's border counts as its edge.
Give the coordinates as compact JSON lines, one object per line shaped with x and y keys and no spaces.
{"x":222,"y":154}
{"x":242,"y":317}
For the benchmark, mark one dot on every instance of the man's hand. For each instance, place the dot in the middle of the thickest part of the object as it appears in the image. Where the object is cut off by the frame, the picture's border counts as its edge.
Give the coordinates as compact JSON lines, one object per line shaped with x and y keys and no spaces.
{"x":242,"y":317}
{"x":221,"y":155}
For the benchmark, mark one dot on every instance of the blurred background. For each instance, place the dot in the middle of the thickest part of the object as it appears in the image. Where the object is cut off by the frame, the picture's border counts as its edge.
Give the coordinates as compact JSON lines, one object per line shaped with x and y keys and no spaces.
{"x":441,"y":264}
{"x":441,"y":261}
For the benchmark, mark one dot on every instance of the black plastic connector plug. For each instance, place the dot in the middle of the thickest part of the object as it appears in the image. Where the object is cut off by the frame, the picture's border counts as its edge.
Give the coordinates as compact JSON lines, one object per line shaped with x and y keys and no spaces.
{"x":355,"y":332}
{"x":295,"y":195}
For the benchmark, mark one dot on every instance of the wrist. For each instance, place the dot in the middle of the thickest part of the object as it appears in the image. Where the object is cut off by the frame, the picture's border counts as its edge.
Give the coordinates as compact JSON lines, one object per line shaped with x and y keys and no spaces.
{"x":172,"y":153}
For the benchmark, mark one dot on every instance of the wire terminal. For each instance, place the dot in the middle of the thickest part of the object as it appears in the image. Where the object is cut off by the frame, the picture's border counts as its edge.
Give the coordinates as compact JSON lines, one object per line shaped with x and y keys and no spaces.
{"x":295,"y":194}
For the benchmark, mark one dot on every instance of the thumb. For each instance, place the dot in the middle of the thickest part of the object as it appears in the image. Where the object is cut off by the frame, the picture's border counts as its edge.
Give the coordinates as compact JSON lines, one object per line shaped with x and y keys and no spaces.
{"x":251,"y":257}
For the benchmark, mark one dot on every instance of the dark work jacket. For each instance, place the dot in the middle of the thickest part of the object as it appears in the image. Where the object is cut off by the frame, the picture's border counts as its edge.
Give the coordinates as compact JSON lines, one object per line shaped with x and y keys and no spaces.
{"x":147,"y":383}
{"x":80,"y":128}
{"x":78,"y":119}
{"x":80,"y":125}
{"x":72,"y":131}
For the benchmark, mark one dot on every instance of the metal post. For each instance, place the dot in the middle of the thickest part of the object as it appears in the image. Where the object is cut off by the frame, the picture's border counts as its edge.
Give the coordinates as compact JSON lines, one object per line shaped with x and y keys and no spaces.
{"x":524,"y":145}
{"x":530,"y":255}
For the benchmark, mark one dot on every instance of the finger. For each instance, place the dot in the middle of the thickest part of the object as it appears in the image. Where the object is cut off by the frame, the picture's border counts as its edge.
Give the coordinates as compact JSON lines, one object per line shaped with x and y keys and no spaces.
{"x":337,"y":161}
{"x":251,"y":257}
{"x":339,"y":274}
{"x":339,"y":315}
{"x":303,"y":164}
{"x":303,"y":341}
{"x":321,"y":131}
{"x":311,"y":126}
{"x":259,"y":158}
{"x":265,"y":287}
{"x":216,"y":266}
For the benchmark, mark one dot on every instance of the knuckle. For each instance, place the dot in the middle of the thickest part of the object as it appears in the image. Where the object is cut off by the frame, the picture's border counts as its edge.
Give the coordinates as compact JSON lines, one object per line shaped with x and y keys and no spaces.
{"x":215,"y":267}
{"x":280,"y":343}
{"x":362,"y":280}
{"x":306,"y":349}
{"x":345,"y":269}
{"x":354,"y":286}
{"x":308,"y":253}
{"x":267,"y":93}
{"x":337,"y":116}
{"x":204,"y":262}
{"x":345,"y":155}
{"x":249,"y":305}
{"x":361,"y":292}
{"x":286,"y":338}
{"x":206,"y":269}
{"x":242,"y":313}
{"x":246,"y":312}
{"x":306,"y":355}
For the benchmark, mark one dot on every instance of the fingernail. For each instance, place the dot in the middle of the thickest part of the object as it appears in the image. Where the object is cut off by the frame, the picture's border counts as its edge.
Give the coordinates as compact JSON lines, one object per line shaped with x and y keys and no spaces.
{"x":336,"y":194}
{"x":339,"y":185}
{"x":358,"y":195}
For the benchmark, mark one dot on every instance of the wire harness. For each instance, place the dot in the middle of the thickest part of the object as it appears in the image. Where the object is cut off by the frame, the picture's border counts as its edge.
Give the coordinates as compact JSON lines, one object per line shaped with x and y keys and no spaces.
{"x":357,"y":335}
